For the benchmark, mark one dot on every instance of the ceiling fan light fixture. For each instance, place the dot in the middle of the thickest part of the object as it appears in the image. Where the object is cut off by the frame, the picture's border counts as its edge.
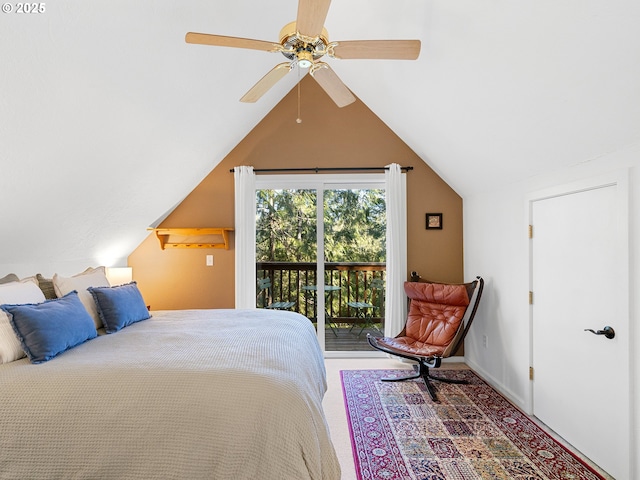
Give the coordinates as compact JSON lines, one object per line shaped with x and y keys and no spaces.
{"x":305,"y":59}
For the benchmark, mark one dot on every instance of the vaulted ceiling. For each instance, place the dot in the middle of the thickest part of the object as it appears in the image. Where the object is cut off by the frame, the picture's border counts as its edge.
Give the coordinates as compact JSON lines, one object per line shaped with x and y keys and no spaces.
{"x":108,"y":118}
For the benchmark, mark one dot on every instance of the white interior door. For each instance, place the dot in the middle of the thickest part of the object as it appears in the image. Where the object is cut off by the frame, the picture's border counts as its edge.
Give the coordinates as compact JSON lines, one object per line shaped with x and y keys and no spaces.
{"x":581,"y":380}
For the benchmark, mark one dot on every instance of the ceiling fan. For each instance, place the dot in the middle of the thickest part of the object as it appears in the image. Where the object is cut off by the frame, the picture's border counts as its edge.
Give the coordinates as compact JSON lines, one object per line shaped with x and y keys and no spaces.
{"x":304,"y":42}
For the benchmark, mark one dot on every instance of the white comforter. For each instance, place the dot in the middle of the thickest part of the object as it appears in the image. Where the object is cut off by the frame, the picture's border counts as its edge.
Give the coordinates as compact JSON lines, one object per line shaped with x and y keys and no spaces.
{"x":217,"y":394}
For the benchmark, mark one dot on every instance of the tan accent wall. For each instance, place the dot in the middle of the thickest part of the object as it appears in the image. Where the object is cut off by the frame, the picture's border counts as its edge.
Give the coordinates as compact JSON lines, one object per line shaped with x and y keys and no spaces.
{"x":327,"y":137}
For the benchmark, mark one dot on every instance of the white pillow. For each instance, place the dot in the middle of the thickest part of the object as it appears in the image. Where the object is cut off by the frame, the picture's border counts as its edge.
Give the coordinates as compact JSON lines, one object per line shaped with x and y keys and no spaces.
{"x":91,"y":277}
{"x":26,"y":291}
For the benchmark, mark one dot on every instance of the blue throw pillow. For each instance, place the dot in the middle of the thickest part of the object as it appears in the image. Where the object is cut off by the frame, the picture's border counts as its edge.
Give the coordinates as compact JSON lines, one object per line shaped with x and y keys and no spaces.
{"x":49,"y":328}
{"x":119,"y":306}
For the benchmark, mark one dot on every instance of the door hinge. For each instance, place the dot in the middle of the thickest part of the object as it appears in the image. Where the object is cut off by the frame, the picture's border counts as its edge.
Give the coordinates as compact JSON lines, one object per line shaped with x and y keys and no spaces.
{"x":530,"y":297}
{"x":530,"y":373}
{"x":530,"y":231}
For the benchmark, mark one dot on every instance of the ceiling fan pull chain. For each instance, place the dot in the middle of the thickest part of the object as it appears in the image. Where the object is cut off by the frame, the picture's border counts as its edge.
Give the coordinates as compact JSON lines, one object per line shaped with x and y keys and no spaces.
{"x":299,"y":119}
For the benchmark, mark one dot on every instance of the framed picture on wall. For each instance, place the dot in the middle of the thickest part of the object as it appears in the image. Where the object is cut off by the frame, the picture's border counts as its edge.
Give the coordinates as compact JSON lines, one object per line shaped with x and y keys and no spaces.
{"x":434,"y":221}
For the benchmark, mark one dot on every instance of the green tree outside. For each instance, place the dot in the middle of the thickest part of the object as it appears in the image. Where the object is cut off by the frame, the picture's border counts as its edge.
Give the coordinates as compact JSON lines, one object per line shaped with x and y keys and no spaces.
{"x":354,"y":225}
{"x":354,"y":231}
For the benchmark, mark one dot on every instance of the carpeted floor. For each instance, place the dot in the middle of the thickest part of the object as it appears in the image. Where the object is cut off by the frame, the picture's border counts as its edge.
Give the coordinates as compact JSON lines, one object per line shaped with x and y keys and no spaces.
{"x":472,"y":432}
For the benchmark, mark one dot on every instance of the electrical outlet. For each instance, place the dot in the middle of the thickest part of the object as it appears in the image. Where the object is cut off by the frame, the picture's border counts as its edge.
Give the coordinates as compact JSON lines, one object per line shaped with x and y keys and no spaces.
{"x":485,"y":342}
{"x":209,"y":260}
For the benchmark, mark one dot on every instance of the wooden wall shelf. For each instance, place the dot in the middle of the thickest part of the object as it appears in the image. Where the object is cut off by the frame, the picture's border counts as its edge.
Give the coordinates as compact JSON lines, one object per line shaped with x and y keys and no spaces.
{"x":193,"y":237}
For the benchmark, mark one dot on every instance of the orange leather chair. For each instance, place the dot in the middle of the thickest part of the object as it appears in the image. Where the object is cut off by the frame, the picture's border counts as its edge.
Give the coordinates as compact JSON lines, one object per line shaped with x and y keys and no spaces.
{"x":439,"y":318}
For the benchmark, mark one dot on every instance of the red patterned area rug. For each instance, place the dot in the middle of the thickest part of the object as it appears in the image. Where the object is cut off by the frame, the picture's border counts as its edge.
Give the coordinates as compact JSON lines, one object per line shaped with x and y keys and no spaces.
{"x":473,"y":432}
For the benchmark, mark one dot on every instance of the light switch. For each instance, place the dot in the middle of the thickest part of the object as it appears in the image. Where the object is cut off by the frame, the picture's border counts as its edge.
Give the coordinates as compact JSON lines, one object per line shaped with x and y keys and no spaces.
{"x":209,"y":260}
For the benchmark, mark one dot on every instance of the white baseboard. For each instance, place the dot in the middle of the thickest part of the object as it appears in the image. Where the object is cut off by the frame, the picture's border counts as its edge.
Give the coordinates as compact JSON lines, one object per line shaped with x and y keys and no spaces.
{"x":498,"y":386}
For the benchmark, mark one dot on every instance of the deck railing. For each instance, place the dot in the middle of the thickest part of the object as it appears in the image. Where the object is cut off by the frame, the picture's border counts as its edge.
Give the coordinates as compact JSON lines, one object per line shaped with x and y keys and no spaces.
{"x":344,"y":283}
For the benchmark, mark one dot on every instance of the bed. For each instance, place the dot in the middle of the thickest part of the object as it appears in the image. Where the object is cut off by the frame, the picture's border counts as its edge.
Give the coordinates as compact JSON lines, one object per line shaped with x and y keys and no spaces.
{"x":218,"y":394}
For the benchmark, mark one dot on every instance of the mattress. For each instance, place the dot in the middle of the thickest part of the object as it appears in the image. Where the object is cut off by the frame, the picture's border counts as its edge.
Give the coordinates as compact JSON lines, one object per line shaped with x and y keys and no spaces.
{"x":189,"y":394}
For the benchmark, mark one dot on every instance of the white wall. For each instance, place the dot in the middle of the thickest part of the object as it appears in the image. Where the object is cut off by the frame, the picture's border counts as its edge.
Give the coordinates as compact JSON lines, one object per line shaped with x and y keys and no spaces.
{"x":496,"y":247}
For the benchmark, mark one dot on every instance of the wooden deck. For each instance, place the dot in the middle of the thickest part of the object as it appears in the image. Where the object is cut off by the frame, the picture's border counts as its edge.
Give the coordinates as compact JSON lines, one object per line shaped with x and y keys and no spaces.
{"x":345,"y":339}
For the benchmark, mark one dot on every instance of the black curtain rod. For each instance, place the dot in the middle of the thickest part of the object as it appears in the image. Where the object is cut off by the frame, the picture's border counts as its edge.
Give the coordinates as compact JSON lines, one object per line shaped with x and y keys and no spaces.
{"x":324,"y":169}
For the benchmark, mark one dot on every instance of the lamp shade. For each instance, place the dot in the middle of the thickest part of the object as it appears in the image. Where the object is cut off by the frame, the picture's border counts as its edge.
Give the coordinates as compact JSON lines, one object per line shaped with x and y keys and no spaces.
{"x":119,"y":275}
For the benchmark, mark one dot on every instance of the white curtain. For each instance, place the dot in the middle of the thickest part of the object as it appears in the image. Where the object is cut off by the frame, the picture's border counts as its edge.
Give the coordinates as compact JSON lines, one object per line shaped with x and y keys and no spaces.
{"x":396,"y":197}
{"x":245,"y":229}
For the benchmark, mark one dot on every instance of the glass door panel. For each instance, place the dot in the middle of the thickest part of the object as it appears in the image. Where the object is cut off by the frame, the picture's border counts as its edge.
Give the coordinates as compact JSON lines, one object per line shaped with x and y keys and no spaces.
{"x":354,"y":268}
{"x":286,"y":250}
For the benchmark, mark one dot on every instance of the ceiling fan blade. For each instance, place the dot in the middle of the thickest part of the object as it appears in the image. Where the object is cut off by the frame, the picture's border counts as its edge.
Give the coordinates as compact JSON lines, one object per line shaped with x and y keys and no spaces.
{"x":331,"y":83}
{"x":379,"y":49}
{"x":237,"y":42}
{"x":266,"y":82}
{"x":311,"y":16}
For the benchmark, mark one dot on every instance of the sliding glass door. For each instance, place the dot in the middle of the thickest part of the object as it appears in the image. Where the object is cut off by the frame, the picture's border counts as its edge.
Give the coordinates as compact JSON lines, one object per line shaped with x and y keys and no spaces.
{"x":321,"y":251}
